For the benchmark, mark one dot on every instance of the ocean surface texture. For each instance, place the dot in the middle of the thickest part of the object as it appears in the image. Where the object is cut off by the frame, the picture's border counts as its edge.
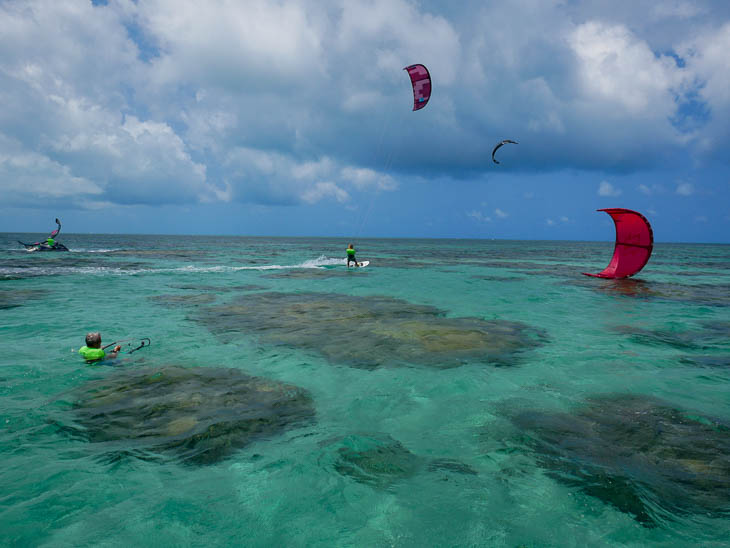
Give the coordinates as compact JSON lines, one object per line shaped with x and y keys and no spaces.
{"x":452,"y":393}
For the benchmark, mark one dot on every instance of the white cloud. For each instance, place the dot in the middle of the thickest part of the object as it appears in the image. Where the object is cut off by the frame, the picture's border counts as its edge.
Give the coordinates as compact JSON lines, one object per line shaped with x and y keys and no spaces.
{"x":325,"y":190}
{"x":28,"y":176}
{"x":181,"y":101}
{"x":501,"y":214}
{"x":271,"y":177}
{"x":680,"y":9}
{"x":364,"y":178}
{"x":620,"y":69}
{"x":478,"y":216}
{"x":685,"y":189}
{"x":651,"y":190}
{"x":607,"y":189}
{"x":549,"y":222}
{"x":564,"y":219}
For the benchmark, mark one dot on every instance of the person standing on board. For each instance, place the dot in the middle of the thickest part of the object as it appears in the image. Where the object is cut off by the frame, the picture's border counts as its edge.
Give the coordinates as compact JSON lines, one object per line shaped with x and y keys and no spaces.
{"x":351,"y":255}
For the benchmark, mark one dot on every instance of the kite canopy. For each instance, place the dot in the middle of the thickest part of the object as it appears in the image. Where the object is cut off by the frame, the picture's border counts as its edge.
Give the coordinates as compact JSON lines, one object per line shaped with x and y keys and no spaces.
{"x":421,"y":81}
{"x":500,"y":144}
{"x":55,"y":232}
{"x":634,"y":242}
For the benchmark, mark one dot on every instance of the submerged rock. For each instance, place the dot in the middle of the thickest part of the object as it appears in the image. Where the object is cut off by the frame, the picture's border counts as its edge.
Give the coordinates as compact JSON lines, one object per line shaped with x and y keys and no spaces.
{"x":640,"y":454}
{"x":13,"y":298}
{"x":704,"y":294}
{"x":381,"y":461}
{"x":370,"y":332}
{"x":721,"y":360}
{"x":199,"y":415}
{"x":711,"y":334}
{"x":219,"y":288}
{"x":313,"y":273}
{"x":173,"y":301}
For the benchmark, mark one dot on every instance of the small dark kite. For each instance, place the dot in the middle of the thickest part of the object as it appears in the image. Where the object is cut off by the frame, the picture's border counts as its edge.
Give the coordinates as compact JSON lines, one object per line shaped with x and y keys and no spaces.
{"x":499,"y":145}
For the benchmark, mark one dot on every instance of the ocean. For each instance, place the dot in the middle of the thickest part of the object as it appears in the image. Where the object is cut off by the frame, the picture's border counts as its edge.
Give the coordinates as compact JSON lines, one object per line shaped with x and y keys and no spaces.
{"x":452,"y":393}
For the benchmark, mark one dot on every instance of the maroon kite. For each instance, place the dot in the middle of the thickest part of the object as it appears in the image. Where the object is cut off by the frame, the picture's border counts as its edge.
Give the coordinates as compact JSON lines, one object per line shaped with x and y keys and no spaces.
{"x":421,"y":81}
{"x":634,"y":243}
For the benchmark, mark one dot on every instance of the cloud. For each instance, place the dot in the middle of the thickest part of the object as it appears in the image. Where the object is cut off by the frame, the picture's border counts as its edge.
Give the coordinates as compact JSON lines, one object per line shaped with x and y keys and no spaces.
{"x":501,"y":214}
{"x":618,"y":69}
{"x":29,"y":178}
{"x":607,"y":189}
{"x":549,"y":222}
{"x":651,"y":190}
{"x":685,"y":189}
{"x":680,"y":9}
{"x":173,"y":101}
{"x":706,"y":58}
{"x":324,"y":190}
{"x":478,"y":216}
{"x":363,"y":178}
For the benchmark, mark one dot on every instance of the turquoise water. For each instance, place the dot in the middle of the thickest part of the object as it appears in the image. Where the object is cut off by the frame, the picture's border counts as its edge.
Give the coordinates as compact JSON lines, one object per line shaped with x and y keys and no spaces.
{"x":452,"y":393}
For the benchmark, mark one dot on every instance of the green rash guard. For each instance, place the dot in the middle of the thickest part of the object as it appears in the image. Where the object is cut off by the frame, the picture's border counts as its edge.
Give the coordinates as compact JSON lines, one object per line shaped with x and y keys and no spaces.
{"x":350,"y":252}
{"x":91,"y":354}
{"x":50,"y":241}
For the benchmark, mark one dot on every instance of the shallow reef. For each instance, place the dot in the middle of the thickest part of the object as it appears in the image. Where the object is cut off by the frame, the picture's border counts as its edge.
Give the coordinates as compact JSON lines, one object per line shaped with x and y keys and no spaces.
{"x":380,"y":461}
{"x":219,"y":288}
{"x":313,"y":273}
{"x":196,"y":415}
{"x":173,"y":301}
{"x":637,"y":453}
{"x":710,"y":335}
{"x":708,"y":360}
{"x":13,"y":298}
{"x":705,"y":294}
{"x":370,"y":332}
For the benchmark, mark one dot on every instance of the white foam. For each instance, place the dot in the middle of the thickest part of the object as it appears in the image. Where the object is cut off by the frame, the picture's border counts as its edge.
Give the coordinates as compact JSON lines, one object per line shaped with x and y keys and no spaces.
{"x":83,"y":250}
{"x":319,"y":262}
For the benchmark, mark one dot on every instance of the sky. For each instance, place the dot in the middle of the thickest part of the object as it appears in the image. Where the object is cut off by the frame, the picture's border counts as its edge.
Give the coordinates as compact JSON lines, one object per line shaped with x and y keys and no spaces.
{"x":294,"y":118}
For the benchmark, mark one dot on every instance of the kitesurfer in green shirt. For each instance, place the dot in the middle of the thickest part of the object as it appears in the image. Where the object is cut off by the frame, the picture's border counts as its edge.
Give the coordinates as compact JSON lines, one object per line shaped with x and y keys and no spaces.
{"x":93,"y":352}
{"x":351,"y":255}
{"x":50,"y":241}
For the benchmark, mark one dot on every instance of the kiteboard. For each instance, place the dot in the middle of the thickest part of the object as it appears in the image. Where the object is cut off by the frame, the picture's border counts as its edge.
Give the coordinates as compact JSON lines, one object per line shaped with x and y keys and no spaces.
{"x":362,"y":264}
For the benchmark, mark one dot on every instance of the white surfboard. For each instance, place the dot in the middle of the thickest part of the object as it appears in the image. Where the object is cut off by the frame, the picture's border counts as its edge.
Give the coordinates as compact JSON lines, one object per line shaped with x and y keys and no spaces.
{"x":362,"y":264}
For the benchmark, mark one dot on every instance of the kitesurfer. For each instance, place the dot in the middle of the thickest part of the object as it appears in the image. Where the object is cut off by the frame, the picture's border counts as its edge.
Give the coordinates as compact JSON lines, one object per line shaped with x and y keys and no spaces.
{"x":351,"y":255}
{"x":51,"y":242}
{"x":93,"y":352}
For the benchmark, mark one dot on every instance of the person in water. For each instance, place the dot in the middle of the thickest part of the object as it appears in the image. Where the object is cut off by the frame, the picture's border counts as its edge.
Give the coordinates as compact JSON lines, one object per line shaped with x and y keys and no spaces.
{"x":50,"y":241}
{"x":93,"y":352}
{"x":351,"y":255}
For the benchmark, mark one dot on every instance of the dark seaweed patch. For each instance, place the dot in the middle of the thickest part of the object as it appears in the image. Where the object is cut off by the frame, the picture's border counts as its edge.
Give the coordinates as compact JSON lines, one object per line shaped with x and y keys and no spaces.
{"x":639,"y":454}
{"x":13,"y":298}
{"x":183,"y":300}
{"x":380,"y":461}
{"x":703,"y":294}
{"x":370,"y":332}
{"x":711,"y":335}
{"x":313,"y":273}
{"x":198,"y":415}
